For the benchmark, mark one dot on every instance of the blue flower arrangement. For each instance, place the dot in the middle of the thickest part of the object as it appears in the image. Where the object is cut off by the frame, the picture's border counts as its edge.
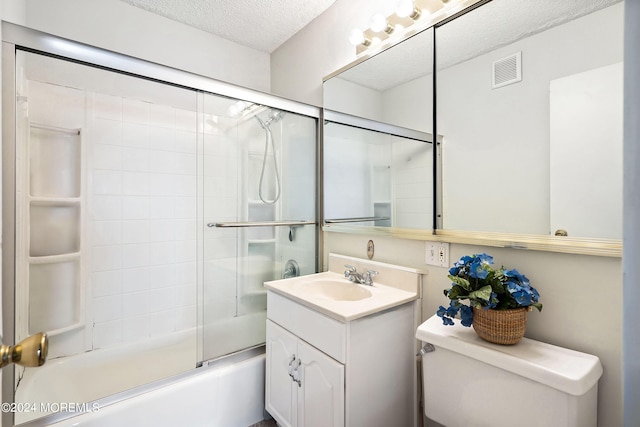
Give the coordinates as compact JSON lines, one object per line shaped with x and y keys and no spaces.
{"x":475,"y":280}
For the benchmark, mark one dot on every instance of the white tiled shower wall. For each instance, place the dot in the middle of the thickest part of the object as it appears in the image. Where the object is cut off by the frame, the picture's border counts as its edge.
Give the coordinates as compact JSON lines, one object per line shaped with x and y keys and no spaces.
{"x":142,"y":219}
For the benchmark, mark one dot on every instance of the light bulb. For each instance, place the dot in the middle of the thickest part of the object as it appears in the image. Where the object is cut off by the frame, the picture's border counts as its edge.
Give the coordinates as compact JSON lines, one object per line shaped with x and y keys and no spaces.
{"x":406,"y":8}
{"x":356,"y":37}
{"x":378,"y":23}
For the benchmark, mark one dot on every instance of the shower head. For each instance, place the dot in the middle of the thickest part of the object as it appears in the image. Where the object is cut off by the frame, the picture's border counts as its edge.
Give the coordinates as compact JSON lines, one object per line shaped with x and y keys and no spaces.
{"x":274,"y":117}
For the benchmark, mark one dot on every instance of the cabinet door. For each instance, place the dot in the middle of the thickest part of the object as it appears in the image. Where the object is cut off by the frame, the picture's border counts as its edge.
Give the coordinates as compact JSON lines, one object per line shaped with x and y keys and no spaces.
{"x":280,"y":395}
{"x":321,"y":390}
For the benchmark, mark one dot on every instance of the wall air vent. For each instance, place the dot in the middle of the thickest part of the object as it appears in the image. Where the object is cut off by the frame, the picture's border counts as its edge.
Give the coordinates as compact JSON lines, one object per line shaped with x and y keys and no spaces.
{"x":507,"y":70}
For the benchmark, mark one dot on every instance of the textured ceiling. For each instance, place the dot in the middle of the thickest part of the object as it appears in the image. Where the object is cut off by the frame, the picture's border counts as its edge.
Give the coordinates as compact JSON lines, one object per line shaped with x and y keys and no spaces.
{"x":493,"y":25}
{"x":260,"y":24}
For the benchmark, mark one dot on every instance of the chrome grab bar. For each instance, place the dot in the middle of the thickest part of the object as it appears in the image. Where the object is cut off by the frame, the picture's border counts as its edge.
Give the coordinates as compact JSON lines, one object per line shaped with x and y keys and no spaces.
{"x":357,"y":219}
{"x":258,"y":224}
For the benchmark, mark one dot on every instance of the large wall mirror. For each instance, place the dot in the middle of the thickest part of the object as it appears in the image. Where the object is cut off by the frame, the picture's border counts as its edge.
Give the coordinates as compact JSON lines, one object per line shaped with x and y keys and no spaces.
{"x":529,"y":100}
{"x":379,"y":171}
{"x":529,"y":109}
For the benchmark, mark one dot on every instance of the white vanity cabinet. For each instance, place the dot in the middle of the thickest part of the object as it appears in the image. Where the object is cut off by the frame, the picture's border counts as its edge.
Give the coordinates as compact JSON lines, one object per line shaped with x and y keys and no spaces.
{"x":305,"y":386}
{"x":324,"y":372}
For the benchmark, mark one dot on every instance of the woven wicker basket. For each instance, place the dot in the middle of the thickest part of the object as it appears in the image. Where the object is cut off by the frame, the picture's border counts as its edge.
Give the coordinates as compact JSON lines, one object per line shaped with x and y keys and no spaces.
{"x":500,"y":326}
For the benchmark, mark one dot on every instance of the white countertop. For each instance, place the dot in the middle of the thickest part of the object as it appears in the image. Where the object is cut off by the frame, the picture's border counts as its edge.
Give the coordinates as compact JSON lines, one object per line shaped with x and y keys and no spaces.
{"x":382,"y":296}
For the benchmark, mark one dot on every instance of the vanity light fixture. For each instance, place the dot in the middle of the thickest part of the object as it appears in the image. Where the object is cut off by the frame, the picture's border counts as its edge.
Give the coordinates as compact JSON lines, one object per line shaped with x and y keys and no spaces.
{"x":410,"y":17}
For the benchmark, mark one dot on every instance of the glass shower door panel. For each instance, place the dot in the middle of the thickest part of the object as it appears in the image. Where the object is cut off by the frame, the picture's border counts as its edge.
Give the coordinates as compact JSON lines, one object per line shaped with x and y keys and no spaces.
{"x":106,"y":229}
{"x":258,"y":168}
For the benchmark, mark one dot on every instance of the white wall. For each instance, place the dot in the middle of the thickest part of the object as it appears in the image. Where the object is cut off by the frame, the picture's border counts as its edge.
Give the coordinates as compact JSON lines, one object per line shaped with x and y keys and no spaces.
{"x":120,"y":27}
{"x":300,"y":63}
{"x":582,"y":294}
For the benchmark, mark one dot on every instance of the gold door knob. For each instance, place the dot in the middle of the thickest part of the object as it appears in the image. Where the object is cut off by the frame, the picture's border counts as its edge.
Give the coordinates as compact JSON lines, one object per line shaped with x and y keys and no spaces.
{"x":30,"y":352}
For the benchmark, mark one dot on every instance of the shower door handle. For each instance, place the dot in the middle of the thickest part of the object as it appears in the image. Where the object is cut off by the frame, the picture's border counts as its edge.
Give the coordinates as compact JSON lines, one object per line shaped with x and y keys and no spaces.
{"x":30,"y":352}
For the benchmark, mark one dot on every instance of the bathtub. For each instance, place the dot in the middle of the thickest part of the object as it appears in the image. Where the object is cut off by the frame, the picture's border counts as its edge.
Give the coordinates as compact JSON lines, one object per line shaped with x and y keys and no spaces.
{"x":228,"y":392}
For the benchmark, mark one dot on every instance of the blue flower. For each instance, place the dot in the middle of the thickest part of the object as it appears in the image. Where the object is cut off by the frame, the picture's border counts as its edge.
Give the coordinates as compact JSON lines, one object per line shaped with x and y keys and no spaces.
{"x":453,"y":310}
{"x":535,"y":293}
{"x":447,"y":314}
{"x":515,"y":275}
{"x":513,"y":286}
{"x":487,"y":259}
{"x":459,"y":265}
{"x":493,"y":300}
{"x":466,"y":315}
{"x":477,"y":270}
{"x":522,"y":297}
{"x":511,"y":273}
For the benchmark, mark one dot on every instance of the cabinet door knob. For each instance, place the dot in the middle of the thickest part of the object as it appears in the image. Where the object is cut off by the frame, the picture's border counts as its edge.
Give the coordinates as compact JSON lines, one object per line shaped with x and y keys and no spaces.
{"x":291,"y":367}
{"x":296,"y":373}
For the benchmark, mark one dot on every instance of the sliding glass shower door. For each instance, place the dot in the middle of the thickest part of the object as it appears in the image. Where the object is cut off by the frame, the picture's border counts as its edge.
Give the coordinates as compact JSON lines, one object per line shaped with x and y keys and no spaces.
{"x":105,"y":207}
{"x":141,"y":219}
{"x":258,"y":215}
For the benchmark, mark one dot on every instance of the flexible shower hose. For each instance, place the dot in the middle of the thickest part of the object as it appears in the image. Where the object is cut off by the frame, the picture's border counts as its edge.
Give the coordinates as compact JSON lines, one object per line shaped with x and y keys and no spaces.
{"x":268,"y":138}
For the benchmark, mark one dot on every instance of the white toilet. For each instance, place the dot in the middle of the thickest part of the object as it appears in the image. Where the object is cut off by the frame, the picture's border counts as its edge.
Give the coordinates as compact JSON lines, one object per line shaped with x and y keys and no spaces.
{"x":470,"y":382}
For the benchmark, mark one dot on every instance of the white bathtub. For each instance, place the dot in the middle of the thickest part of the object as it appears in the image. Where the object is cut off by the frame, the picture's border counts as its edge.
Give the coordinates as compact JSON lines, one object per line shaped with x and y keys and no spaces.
{"x":227,"y":393}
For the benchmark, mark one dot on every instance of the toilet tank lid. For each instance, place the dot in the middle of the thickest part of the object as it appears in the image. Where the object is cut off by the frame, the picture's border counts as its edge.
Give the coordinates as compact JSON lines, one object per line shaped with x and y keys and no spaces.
{"x":566,"y":370}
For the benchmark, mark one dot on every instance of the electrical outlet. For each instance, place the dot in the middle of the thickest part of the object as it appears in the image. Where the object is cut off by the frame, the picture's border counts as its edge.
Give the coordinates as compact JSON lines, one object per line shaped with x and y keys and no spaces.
{"x":437,"y":253}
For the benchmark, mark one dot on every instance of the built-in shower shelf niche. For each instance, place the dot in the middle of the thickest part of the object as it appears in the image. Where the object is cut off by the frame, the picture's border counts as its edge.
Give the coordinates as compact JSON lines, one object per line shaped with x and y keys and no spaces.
{"x":260,"y":211}
{"x":52,"y":176}
{"x":382,"y":209}
{"x":60,"y":279}
{"x":257,"y":210}
{"x":54,"y":228}
{"x":54,"y":161}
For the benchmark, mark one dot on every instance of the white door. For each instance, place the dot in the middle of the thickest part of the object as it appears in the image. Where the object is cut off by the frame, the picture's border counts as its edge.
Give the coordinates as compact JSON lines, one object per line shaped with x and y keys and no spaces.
{"x":280,"y":396}
{"x":321,"y":390}
{"x":586,"y":153}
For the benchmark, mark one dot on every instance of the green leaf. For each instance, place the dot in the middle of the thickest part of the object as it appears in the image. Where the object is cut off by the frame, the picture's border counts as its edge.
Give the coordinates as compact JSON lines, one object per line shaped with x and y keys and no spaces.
{"x":464,"y":283}
{"x":537,"y":305}
{"x":457,"y":292}
{"x":498,"y":287}
{"x":484,"y":293}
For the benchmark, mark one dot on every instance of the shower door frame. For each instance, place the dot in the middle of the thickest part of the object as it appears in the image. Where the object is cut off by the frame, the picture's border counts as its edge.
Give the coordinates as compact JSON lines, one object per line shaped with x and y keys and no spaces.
{"x":16,"y":37}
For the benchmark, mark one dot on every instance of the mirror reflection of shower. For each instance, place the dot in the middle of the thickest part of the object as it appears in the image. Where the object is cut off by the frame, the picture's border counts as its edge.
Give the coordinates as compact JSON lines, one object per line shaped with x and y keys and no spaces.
{"x":245,"y":110}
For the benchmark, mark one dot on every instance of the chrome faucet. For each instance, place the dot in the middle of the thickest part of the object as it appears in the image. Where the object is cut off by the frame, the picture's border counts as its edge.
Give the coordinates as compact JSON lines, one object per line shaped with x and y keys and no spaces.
{"x":353,"y":276}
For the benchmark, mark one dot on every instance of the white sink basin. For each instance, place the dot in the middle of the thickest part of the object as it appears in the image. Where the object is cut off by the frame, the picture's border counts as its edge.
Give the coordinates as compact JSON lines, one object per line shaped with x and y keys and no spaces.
{"x":338,"y":290}
{"x":333,"y":295}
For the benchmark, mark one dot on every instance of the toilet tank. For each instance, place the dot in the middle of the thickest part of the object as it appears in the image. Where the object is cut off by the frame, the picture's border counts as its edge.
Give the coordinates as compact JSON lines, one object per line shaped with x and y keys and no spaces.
{"x":470,"y":382}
